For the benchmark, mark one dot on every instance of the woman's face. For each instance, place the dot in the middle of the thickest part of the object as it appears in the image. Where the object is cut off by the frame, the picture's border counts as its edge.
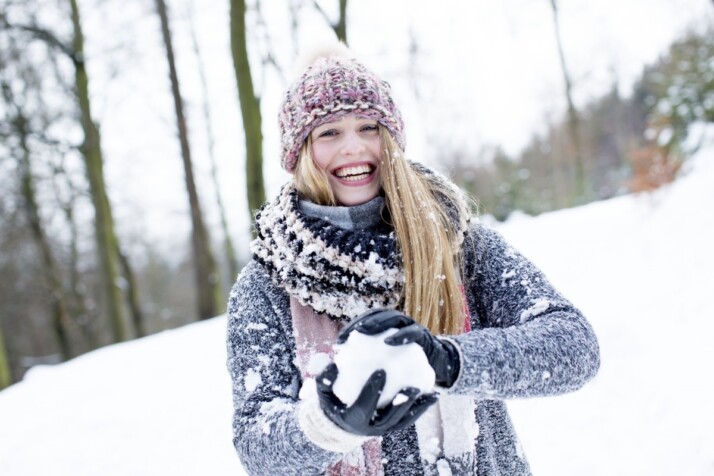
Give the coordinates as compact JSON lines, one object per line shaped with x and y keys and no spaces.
{"x":348,"y":151}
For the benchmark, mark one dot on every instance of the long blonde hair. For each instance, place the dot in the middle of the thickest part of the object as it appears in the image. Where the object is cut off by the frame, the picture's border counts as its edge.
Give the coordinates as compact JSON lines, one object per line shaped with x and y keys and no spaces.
{"x":427,"y":238}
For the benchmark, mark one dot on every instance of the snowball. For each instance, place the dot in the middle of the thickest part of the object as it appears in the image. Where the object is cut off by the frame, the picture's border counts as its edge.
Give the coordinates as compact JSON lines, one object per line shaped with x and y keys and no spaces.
{"x":356,"y":359}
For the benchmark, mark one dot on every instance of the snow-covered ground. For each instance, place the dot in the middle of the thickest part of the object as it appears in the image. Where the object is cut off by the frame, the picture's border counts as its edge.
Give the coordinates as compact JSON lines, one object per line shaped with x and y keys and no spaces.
{"x":641,"y":267}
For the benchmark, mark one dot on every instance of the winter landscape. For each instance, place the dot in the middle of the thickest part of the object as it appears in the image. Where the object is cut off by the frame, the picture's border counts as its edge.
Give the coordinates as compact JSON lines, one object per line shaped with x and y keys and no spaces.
{"x":640,"y":267}
{"x":477,"y":83}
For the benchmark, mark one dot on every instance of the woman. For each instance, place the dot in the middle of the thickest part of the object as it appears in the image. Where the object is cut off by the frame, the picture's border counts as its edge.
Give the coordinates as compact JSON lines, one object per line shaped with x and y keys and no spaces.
{"x":360,"y":231}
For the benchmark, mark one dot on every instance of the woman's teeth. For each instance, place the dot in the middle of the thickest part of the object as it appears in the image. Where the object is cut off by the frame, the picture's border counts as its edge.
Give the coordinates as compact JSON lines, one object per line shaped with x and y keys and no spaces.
{"x":352,"y":174}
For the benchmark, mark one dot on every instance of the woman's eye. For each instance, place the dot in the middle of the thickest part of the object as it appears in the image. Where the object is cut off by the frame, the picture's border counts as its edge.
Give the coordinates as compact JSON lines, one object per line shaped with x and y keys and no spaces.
{"x":327,"y":133}
{"x":370,"y":127}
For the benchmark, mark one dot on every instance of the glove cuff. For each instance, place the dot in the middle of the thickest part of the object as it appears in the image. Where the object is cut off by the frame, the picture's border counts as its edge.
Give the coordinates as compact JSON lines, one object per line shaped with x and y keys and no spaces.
{"x":453,"y":368}
{"x":321,"y":431}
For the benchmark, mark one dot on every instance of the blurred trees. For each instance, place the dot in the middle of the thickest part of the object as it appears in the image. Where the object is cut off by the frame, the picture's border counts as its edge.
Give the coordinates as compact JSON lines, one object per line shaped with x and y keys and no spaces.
{"x":5,"y":375}
{"x":228,"y":247}
{"x":250,"y":108}
{"x":573,"y":120}
{"x":676,"y":92}
{"x":339,"y":26}
{"x":633,"y":143}
{"x":107,"y":241}
{"x":60,"y":316}
{"x":66,"y":287}
{"x":206,"y":277}
{"x":40,"y":308}
{"x":679,"y":88}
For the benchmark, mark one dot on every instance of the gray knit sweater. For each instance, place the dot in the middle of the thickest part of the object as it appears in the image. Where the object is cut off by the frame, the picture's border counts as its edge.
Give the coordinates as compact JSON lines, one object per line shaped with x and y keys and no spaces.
{"x":527,"y":341}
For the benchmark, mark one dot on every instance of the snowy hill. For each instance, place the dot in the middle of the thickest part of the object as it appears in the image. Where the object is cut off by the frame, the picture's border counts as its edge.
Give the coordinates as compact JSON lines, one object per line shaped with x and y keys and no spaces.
{"x":640,"y":267}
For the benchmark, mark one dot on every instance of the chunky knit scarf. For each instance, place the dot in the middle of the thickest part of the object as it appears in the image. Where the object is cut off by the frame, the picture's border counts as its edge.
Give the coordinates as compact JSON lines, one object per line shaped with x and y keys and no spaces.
{"x":343,"y":273}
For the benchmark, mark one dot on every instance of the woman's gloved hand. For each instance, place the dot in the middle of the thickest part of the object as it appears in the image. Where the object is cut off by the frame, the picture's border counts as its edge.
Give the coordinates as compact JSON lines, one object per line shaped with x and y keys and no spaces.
{"x":363,"y":417}
{"x":441,"y":354}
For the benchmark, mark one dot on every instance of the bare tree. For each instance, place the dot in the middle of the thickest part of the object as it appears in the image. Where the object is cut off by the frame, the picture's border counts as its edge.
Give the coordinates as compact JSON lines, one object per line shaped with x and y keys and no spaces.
{"x":340,"y":26}
{"x":227,"y":241}
{"x":90,"y":149}
{"x":60,"y":316}
{"x":107,"y":243}
{"x":207,"y":288}
{"x":573,"y":116}
{"x":77,"y":298}
{"x":5,"y":373}
{"x":250,"y":108}
{"x":18,"y":126}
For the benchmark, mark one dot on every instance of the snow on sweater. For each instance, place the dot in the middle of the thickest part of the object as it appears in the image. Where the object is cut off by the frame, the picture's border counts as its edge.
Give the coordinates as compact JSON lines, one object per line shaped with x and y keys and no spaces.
{"x":527,"y":341}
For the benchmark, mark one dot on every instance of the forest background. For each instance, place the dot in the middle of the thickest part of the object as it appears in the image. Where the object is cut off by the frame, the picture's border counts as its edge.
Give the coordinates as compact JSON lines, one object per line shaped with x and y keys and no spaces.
{"x":133,"y":134}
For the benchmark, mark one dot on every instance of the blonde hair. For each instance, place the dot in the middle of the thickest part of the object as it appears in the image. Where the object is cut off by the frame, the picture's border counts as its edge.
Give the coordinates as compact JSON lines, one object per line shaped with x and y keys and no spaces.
{"x":427,"y":238}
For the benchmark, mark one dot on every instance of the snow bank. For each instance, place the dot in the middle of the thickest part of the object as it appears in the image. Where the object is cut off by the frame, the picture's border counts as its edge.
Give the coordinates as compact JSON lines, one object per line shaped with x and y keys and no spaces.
{"x":158,"y":405}
{"x":642,"y":270}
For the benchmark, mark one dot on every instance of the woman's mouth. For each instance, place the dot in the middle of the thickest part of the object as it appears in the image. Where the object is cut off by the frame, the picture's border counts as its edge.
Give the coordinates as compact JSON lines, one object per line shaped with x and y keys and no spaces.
{"x":354,"y":173}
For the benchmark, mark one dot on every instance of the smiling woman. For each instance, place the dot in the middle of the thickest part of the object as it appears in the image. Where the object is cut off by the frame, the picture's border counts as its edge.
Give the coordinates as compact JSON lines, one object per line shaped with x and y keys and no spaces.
{"x":363,"y":241}
{"x":347,"y":152}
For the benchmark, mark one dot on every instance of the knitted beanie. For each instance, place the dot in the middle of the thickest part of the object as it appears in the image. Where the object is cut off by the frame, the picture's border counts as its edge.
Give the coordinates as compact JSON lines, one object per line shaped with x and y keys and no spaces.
{"x":333,"y":86}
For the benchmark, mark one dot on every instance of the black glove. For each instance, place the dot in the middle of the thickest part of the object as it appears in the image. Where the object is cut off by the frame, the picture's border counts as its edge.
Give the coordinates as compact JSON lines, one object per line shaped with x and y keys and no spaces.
{"x":442,"y":354}
{"x":363,"y":417}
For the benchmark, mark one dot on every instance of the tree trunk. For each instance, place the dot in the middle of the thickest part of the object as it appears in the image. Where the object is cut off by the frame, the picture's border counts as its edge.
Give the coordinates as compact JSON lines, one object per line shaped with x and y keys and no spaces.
{"x":137,"y":316}
{"x":207,"y":288}
{"x":341,"y":26}
{"x":76,"y":295}
{"x":92,"y":153}
{"x":60,"y":316}
{"x":573,"y":116}
{"x":5,"y":372}
{"x":250,"y":109}
{"x":228,"y":248}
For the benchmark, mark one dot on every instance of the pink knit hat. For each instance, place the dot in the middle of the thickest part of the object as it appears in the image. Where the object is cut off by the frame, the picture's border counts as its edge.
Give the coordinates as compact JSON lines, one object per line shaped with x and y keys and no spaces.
{"x":331,"y":87}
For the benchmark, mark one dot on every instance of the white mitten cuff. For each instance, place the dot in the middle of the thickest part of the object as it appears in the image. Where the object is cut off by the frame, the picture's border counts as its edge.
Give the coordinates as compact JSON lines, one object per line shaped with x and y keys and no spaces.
{"x":322,"y":431}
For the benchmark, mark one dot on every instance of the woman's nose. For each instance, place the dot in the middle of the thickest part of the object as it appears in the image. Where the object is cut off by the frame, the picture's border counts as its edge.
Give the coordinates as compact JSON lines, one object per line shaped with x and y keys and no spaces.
{"x":352,"y":143}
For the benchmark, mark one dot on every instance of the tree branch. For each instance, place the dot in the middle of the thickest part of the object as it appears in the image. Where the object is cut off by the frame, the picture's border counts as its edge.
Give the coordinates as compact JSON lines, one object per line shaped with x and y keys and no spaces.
{"x":42,"y":35}
{"x":324,"y":14}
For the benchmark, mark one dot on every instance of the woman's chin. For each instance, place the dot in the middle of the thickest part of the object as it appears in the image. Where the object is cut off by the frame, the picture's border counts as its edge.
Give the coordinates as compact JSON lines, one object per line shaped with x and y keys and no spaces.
{"x":351,"y":198}
{"x":350,"y":195}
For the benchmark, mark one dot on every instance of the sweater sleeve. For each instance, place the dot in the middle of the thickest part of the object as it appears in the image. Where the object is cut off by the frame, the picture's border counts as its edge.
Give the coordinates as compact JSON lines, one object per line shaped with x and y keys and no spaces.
{"x":529,"y":340}
{"x":266,"y":431}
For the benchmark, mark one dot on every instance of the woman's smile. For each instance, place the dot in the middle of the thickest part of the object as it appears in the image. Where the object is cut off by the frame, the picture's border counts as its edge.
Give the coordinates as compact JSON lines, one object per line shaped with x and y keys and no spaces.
{"x":348,"y":151}
{"x":353,"y":173}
